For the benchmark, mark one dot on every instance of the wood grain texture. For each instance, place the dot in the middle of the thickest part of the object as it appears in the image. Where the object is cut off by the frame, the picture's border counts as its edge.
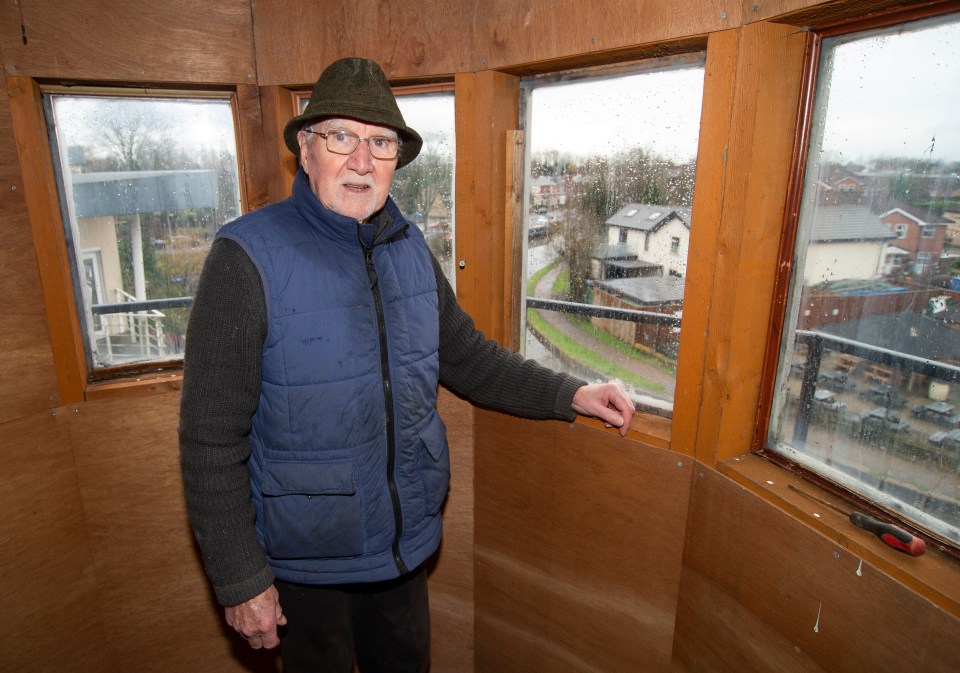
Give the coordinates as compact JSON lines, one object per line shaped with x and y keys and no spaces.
{"x":514,"y":206}
{"x":277,"y":107}
{"x":712,"y":152}
{"x":46,"y":225}
{"x":297,"y":39}
{"x":451,"y":574}
{"x":508,"y":33}
{"x":756,"y":584}
{"x":761,"y":134}
{"x":149,"y":575}
{"x":578,"y":533}
{"x":487,"y":108}
{"x":118,"y":40}
{"x":48,"y":579}
{"x":27,"y":372}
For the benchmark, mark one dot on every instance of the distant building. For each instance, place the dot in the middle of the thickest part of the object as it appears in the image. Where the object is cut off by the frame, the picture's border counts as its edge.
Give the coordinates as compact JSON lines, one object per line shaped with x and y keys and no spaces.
{"x":545,"y":192}
{"x":920,"y":233}
{"x":659,"y":294}
{"x":620,"y":261}
{"x":658,"y":235}
{"x":851,"y":234}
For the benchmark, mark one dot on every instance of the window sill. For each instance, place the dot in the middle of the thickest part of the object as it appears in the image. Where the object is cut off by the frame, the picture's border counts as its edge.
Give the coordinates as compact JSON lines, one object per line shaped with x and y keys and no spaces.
{"x":649,"y":429}
{"x":147,"y":384}
{"x":935,"y":575}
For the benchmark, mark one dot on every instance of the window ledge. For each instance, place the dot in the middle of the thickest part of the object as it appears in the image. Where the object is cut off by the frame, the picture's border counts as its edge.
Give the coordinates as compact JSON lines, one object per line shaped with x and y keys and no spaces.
{"x":147,"y":384}
{"x":935,"y":575}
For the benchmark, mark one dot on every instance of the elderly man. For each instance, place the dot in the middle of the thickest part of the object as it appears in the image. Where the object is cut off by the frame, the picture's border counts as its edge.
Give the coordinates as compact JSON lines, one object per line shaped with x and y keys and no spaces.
{"x":314,"y":462}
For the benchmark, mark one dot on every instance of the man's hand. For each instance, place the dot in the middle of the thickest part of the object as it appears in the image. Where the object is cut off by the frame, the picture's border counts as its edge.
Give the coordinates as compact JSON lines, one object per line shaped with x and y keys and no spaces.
{"x":606,"y":401}
{"x":258,"y":618}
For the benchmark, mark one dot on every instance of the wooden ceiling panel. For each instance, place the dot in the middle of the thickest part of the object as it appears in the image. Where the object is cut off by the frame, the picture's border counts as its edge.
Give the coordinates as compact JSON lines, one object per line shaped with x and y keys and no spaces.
{"x":172,"y":41}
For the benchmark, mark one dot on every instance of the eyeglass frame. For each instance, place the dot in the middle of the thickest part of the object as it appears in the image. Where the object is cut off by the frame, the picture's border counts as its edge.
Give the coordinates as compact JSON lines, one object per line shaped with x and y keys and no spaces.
{"x":360,"y":139}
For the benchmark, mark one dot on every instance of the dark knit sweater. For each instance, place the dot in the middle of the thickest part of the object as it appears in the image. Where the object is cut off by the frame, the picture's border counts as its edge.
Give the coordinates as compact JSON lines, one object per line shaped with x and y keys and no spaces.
{"x":221,"y":389}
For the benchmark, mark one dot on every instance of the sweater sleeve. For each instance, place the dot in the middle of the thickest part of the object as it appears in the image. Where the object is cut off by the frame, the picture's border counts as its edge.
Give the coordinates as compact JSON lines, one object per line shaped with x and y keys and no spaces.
{"x":487,"y":375}
{"x":221,"y":389}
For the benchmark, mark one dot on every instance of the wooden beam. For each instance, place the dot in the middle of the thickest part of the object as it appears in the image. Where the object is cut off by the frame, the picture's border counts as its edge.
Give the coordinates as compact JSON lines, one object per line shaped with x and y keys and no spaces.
{"x":701,"y":282}
{"x":486,"y":108}
{"x":43,"y":208}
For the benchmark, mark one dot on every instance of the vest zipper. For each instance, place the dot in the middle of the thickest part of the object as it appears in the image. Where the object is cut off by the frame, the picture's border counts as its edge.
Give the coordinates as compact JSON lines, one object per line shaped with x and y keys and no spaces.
{"x":388,"y":407}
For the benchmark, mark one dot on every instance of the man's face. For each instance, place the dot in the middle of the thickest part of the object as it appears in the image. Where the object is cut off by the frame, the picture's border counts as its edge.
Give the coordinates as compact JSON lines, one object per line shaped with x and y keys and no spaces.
{"x":355,"y":185}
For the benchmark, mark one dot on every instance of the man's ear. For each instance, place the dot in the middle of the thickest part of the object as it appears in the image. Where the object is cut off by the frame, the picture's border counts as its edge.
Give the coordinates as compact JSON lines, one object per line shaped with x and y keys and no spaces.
{"x":302,"y":144}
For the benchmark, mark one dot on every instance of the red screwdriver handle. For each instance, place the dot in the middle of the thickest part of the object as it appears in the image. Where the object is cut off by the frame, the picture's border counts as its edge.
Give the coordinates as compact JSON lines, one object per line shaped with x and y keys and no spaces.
{"x":895,"y":537}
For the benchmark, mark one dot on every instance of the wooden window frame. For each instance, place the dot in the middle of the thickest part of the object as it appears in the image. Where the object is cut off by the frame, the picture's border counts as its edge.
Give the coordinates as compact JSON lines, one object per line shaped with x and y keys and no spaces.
{"x":741,"y":466}
{"x":76,"y":380}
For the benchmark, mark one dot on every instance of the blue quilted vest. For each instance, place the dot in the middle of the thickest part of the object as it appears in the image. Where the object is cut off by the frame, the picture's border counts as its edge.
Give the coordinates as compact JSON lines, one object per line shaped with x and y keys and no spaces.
{"x":349,"y":463}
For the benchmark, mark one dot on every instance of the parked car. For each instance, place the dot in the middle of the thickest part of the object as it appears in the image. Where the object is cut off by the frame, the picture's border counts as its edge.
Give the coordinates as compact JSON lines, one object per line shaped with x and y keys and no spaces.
{"x":539,"y":227}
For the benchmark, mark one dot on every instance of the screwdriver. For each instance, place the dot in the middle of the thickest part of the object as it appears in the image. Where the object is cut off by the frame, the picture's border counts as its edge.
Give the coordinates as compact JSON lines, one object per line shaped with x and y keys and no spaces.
{"x":895,"y":537}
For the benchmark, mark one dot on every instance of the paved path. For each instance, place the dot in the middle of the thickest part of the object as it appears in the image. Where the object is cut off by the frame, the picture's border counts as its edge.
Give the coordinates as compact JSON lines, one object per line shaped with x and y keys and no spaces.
{"x":558,"y":321}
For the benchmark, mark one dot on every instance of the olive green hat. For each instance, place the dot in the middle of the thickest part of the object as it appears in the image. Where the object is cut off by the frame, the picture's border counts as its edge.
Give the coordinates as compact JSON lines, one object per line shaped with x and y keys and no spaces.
{"x":356,"y":88}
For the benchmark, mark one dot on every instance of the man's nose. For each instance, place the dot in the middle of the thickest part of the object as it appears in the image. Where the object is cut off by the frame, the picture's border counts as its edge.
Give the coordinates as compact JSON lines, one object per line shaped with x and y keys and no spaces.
{"x":361,"y":160}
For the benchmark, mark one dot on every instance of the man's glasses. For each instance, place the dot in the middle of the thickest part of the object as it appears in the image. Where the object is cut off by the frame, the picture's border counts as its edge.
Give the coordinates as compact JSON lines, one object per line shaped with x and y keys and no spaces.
{"x":344,"y":142}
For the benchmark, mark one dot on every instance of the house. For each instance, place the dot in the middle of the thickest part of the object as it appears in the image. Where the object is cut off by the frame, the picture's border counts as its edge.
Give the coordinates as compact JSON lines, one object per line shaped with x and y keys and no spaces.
{"x":846,"y":242}
{"x":920,"y":233}
{"x":843,"y":191}
{"x":657,"y":234}
{"x":545,"y":192}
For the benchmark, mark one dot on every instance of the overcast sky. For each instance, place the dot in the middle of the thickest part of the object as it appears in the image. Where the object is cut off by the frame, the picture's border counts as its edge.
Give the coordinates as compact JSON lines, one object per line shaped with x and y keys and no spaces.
{"x":85,"y":120}
{"x":432,"y":116}
{"x":659,"y":111}
{"x":893,"y":94}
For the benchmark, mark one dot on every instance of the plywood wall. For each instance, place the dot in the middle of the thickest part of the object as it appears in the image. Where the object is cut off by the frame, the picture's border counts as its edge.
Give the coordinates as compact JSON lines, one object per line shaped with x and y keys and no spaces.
{"x":29,"y":382}
{"x":762,"y":592}
{"x":579,"y":535}
{"x":118,"y":40}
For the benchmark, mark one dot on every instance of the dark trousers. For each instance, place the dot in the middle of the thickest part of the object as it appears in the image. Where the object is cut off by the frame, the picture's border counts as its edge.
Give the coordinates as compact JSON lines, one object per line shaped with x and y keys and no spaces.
{"x":385,"y":624}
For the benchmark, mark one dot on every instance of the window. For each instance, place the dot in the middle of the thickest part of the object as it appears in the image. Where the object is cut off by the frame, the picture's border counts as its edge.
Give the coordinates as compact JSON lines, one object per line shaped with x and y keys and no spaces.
{"x":145,"y":182}
{"x":928,"y":232}
{"x":868,"y":393}
{"x":603,"y":291}
{"x":423,"y":189}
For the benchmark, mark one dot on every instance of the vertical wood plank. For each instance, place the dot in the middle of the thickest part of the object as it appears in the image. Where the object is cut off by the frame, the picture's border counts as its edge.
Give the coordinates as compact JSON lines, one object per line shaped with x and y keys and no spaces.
{"x":757,"y":168}
{"x":486,"y":107}
{"x":277,"y":108}
{"x":514,"y":205}
{"x":709,"y":190}
{"x":43,"y":208}
{"x":27,"y":368}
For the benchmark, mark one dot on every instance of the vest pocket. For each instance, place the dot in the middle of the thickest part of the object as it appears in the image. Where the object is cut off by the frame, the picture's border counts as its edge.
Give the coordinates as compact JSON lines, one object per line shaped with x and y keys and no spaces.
{"x":434,"y":463}
{"x":311,"y":510}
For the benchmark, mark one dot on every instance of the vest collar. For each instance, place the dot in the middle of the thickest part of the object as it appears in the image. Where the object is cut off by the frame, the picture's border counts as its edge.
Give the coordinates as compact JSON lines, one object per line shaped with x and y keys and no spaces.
{"x":341,"y":229}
